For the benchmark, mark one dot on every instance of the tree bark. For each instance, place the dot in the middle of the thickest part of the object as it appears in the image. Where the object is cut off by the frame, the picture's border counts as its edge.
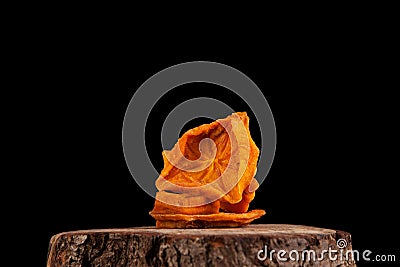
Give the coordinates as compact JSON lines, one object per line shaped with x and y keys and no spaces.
{"x":148,"y":246}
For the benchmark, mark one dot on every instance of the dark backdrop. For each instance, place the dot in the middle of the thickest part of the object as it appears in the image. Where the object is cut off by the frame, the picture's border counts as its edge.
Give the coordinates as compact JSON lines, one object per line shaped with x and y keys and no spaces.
{"x":334,"y":115}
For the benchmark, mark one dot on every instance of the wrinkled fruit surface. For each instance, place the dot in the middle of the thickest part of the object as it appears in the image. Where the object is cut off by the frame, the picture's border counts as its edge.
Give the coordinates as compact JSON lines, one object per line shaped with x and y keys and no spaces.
{"x":208,"y":177}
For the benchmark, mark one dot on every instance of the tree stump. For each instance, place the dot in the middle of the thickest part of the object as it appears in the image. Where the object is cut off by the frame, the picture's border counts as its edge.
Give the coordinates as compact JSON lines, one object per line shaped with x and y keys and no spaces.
{"x":245,"y":246}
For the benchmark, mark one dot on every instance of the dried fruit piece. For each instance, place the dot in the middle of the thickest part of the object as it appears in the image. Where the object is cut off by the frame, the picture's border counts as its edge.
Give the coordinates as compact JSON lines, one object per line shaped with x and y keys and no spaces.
{"x":206,"y":221}
{"x":210,"y":168}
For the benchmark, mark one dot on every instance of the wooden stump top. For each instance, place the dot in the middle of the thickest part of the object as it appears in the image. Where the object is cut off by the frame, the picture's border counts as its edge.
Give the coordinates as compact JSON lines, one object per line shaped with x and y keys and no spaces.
{"x":148,"y":246}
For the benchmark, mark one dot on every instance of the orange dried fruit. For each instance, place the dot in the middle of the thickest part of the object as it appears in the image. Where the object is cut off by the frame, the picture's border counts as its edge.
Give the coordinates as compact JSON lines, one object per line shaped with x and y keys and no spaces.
{"x":206,"y":221}
{"x":210,"y":168}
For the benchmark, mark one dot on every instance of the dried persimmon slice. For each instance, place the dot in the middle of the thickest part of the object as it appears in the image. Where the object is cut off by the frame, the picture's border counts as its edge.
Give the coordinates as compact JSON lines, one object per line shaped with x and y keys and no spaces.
{"x":211,"y":168}
{"x":206,"y":221}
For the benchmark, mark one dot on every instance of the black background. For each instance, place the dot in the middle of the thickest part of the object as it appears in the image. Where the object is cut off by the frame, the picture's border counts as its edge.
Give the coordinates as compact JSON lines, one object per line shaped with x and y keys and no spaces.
{"x":334,"y":110}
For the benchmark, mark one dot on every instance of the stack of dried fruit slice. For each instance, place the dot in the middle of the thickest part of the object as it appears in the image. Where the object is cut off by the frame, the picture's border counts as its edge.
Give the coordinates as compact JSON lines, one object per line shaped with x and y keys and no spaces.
{"x":208,"y":177}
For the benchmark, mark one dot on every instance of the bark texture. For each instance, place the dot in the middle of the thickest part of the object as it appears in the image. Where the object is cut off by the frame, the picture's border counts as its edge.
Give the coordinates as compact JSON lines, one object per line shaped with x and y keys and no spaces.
{"x":148,"y":246}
